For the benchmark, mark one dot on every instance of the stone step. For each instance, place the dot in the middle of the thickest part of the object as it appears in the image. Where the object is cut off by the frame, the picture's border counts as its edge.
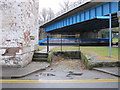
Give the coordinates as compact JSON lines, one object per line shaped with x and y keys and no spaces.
{"x":40,"y":56}
{"x":40,"y":59}
{"x":37,"y":53}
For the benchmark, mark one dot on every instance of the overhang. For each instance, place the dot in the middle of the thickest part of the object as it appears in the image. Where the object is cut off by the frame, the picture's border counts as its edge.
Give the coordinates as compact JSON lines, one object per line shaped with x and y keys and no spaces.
{"x":80,"y":8}
{"x":89,"y":25}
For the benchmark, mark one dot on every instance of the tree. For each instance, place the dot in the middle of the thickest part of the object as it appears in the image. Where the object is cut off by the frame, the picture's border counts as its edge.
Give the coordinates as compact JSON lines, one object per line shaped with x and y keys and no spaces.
{"x":65,"y":5}
{"x":45,"y":15}
{"x":50,"y":13}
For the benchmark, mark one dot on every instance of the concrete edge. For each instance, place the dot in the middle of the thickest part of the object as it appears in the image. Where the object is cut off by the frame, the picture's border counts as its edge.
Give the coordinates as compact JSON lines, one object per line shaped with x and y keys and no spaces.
{"x":107,"y":72}
{"x":20,"y":76}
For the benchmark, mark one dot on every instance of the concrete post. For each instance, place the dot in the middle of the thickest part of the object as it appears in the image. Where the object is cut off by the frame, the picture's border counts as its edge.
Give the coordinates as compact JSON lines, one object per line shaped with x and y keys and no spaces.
{"x":110,"y":35}
{"x":119,"y":36}
{"x":119,"y":43}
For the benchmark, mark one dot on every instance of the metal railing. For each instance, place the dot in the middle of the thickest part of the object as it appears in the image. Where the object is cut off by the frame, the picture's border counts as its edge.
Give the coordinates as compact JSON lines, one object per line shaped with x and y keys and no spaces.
{"x":63,"y":40}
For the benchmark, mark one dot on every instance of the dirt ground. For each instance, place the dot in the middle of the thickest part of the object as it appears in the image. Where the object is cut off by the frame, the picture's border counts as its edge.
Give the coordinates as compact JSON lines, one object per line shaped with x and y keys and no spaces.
{"x":63,"y":69}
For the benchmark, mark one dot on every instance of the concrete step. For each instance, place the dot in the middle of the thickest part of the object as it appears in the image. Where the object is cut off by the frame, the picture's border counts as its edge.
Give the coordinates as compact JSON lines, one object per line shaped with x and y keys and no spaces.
{"x":40,"y":56}
{"x":40,"y":59}
{"x":37,"y":53}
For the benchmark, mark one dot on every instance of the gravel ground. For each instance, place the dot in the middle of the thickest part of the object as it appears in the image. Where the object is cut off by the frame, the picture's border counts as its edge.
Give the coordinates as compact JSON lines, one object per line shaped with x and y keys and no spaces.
{"x":67,"y":65}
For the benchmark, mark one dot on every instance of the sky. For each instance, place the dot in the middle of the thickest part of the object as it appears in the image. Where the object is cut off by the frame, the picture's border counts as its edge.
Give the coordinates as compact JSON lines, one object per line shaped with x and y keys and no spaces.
{"x":54,"y":4}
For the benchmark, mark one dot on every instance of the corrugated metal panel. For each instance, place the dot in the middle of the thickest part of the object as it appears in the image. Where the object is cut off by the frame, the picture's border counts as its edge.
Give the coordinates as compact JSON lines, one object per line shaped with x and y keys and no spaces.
{"x":106,"y":9}
{"x":71,"y":20}
{"x":67,"y":21}
{"x":119,"y":6}
{"x":92,"y":13}
{"x":87,"y":16}
{"x":64,"y":22}
{"x":74,"y":19}
{"x":82,"y":16}
{"x":100,"y":10}
{"x":78,"y":18}
{"x":113,"y":5}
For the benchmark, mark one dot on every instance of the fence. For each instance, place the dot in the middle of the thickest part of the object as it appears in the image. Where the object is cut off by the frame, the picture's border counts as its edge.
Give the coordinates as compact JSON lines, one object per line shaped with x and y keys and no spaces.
{"x":63,"y":40}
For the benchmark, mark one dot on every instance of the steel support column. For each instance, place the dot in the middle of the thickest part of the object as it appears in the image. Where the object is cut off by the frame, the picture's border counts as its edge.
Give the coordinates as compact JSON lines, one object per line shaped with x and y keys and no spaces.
{"x":110,"y":35}
{"x":47,"y":43}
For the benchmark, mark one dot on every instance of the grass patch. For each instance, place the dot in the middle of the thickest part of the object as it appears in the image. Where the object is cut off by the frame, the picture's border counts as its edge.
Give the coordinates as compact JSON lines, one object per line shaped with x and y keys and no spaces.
{"x":101,"y":51}
{"x":115,"y":39}
{"x":65,"y":48}
{"x":41,"y":47}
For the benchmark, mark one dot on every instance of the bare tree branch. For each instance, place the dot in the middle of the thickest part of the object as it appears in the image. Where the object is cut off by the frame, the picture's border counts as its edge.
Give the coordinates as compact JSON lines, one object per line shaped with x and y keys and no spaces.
{"x":45,"y":14}
{"x":65,"y":5}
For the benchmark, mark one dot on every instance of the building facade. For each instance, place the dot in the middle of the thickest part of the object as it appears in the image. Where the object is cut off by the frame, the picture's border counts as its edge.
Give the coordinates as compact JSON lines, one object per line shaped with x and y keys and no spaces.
{"x":19,"y":31}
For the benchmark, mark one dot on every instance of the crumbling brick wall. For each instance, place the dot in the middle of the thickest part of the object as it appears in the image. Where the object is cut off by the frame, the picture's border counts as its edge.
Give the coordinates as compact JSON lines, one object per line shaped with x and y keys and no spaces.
{"x":19,"y":31}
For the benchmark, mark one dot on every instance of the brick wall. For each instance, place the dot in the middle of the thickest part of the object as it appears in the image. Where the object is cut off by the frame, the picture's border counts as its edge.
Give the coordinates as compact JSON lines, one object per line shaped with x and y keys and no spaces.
{"x":19,"y":30}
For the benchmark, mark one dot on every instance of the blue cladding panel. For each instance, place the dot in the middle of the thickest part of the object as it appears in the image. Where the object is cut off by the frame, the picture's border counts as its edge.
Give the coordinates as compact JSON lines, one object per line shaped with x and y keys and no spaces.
{"x":63,"y":23}
{"x":114,"y":7}
{"x":87,"y":15}
{"x":119,"y":6}
{"x":92,"y":13}
{"x":67,"y":21}
{"x":78,"y":18}
{"x":74,"y":19}
{"x":106,"y":9}
{"x":99,"y":11}
{"x":82,"y":16}
{"x":71,"y":20}
{"x":58,"y":24}
{"x":53,"y":26}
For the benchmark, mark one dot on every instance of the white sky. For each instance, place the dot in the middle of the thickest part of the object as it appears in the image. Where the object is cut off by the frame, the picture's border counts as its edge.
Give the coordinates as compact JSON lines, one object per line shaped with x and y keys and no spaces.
{"x":54,"y":4}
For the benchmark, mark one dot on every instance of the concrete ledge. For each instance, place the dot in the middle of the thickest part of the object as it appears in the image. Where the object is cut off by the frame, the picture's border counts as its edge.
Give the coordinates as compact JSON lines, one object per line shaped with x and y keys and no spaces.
{"x":93,"y":62}
{"x":112,"y":71}
{"x":9,"y":72}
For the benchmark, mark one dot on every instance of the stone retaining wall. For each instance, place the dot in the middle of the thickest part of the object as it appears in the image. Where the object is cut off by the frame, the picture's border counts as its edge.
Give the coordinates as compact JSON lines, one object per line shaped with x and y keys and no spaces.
{"x":88,"y":61}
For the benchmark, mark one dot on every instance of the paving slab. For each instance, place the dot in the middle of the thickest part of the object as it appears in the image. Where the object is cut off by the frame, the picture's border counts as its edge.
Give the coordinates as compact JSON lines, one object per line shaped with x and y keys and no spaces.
{"x":10,"y":72}
{"x":109,"y":70}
